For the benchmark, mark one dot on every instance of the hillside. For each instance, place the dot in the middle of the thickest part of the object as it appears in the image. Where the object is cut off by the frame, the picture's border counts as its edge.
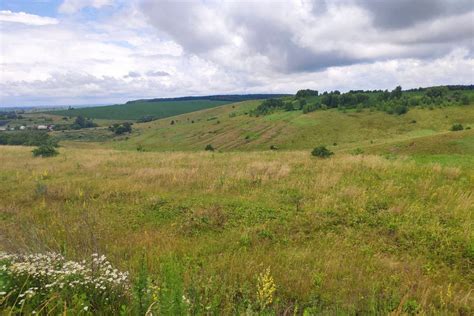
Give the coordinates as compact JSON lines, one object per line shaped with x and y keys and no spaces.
{"x":230,"y":128}
{"x":137,"y":110}
{"x":158,"y":108}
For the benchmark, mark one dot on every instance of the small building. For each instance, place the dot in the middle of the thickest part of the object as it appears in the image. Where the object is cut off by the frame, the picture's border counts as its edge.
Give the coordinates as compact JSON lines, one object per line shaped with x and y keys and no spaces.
{"x":42,"y":127}
{"x":2,"y":128}
{"x":22,"y":128}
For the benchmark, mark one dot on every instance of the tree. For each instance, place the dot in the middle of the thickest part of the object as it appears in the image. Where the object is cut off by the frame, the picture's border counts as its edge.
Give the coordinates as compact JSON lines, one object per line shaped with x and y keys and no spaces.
{"x":322,"y":152}
{"x":306,"y":93}
{"x":209,"y":148}
{"x":396,"y":93}
{"x":81,"y":122}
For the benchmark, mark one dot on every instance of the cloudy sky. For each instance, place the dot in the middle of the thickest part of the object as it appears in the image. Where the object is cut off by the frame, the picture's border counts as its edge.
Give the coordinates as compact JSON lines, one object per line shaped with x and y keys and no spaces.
{"x":106,"y":51}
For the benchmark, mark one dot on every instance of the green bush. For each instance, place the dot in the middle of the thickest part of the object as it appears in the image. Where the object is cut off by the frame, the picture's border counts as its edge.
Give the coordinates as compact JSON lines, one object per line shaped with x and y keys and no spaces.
{"x":457,"y":127}
{"x":400,"y":109}
{"x":46,"y":150}
{"x":322,"y":152}
{"x":209,"y":148}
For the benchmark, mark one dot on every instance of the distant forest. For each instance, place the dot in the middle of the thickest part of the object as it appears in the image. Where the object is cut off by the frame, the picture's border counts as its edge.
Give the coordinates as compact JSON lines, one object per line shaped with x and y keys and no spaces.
{"x":230,"y":98}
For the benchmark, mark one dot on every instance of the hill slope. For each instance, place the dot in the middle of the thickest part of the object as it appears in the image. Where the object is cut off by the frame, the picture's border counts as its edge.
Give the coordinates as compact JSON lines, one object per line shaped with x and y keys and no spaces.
{"x":230,"y":128}
{"x":137,"y":110}
{"x":159,"y":108}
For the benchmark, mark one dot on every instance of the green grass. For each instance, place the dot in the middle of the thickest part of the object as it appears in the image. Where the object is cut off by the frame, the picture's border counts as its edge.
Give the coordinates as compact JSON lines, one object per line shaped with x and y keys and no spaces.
{"x":136,"y":110}
{"x":385,"y":229}
{"x":345,"y":235}
{"x":292,"y":130}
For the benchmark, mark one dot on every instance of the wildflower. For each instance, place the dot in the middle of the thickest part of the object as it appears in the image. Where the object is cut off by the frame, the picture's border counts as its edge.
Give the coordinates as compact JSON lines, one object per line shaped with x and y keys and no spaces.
{"x":265,"y":289}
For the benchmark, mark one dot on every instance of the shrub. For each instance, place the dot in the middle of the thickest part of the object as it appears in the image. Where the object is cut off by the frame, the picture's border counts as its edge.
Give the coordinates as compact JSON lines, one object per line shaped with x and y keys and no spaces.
{"x":120,"y":129}
{"x":457,"y":127}
{"x":322,"y":152}
{"x":209,"y":147}
{"x":400,"y":109}
{"x":46,"y":150}
{"x":273,"y":147}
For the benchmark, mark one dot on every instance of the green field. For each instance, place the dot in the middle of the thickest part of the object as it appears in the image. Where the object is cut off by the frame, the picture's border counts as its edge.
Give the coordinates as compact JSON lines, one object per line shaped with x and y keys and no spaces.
{"x":137,"y":110}
{"x":382,"y":227}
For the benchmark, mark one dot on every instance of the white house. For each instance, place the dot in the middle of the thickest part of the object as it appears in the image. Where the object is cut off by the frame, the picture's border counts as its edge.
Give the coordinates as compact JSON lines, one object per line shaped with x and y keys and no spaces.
{"x":42,"y":127}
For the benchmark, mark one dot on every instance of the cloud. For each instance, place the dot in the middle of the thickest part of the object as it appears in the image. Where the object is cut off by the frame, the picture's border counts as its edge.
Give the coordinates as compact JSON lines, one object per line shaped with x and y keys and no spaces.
{"x":406,"y":13}
{"x":133,"y":74}
{"x":25,"y":18}
{"x":157,"y":73}
{"x":313,"y":36}
{"x":73,"y":6}
{"x":144,"y":48}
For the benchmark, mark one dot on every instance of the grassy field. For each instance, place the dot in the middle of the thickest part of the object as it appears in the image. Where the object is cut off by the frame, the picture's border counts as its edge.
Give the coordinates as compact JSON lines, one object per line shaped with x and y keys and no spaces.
{"x":358,"y":234}
{"x":229,"y":128}
{"x":137,"y":110}
{"x":385,"y":226}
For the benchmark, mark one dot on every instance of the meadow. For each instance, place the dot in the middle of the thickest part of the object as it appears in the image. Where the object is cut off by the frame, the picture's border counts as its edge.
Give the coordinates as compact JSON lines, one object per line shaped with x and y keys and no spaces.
{"x":261,"y":232}
{"x":150,"y":223}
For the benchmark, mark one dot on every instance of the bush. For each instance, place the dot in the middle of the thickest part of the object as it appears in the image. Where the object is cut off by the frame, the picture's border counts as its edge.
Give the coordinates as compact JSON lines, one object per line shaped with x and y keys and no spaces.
{"x":120,"y":129}
{"x":209,"y":147}
{"x":46,"y":150}
{"x":400,"y":109}
{"x":322,"y":152}
{"x":457,"y":127}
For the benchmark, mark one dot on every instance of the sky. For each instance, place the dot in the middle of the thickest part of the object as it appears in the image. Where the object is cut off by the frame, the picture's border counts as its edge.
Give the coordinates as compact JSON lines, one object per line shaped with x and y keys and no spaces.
{"x":69,"y":52}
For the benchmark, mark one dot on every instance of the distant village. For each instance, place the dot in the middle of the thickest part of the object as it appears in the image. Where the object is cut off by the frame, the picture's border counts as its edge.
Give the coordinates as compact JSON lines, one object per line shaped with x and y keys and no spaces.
{"x":27,"y":127}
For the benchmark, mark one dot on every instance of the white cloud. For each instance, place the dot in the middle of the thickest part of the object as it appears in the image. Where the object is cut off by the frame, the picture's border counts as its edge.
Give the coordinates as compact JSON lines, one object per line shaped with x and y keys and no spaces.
{"x":147,"y":48}
{"x":73,"y":6}
{"x":25,"y":18}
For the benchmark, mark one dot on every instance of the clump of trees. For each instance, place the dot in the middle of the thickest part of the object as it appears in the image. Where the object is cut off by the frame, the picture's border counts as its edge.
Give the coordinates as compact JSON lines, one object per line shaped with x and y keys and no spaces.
{"x":397,"y":101}
{"x":305,"y":93}
{"x":120,"y":129}
{"x":322,"y":152}
{"x":82,"y":122}
{"x":268,"y":106}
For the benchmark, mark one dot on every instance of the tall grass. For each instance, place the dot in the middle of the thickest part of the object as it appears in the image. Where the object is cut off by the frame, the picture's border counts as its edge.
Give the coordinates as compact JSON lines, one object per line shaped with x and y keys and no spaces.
{"x":199,"y":231}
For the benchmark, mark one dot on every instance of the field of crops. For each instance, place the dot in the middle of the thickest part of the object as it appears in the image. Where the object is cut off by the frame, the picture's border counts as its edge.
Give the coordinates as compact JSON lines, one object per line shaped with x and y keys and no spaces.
{"x":137,"y":110}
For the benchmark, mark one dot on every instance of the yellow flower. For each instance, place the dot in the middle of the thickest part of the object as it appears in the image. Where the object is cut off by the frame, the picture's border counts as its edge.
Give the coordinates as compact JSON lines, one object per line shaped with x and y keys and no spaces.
{"x":265,"y":289}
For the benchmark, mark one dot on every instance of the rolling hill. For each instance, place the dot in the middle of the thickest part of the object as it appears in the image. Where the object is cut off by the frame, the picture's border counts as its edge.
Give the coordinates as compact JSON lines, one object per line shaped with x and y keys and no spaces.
{"x":158,"y":108}
{"x":230,"y":127}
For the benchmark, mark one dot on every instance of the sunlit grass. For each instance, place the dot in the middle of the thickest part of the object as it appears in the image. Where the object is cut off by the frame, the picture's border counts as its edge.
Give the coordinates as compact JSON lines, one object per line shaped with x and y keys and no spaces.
{"x":349,"y":234}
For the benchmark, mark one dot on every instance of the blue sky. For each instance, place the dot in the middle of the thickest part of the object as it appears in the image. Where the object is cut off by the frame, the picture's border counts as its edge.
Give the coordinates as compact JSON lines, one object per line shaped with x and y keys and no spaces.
{"x":108,"y":51}
{"x":38,"y":7}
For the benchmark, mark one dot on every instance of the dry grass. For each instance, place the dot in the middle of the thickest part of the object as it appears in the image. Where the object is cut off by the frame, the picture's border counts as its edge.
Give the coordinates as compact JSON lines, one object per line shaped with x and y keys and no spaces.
{"x":368,"y":234}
